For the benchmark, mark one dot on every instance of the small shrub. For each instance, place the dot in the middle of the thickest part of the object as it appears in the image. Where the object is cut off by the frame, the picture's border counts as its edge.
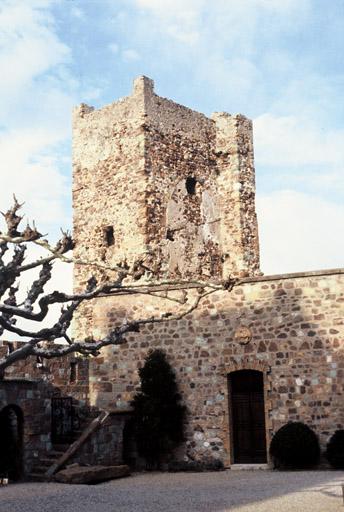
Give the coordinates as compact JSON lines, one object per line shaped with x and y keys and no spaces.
{"x":335,"y":450}
{"x":295,"y":446}
{"x":214,"y":465}
{"x":181,"y":465}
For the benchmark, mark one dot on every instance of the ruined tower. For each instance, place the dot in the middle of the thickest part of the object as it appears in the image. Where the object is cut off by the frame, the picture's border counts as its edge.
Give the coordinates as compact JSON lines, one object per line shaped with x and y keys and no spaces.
{"x":155,"y":179}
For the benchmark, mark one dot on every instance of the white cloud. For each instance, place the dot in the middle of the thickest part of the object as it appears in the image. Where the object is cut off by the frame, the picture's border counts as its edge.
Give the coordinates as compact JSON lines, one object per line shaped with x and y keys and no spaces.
{"x":188,"y":21}
{"x":78,"y":13}
{"x":294,"y":141}
{"x":92,"y":93}
{"x":29,"y":46}
{"x":130,"y":55}
{"x":189,"y":37}
{"x":37,"y":181}
{"x":168,"y":8}
{"x":299,"y":232}
{"x":220,"y":41}
{"x":299,"y":151}
{"x":114,"y":48}
{"x":227,"y":76}
{"x":181,"y":20}
{"x":277,"y":5}
{"x":37,"y":97}
{"x":187,"y":8}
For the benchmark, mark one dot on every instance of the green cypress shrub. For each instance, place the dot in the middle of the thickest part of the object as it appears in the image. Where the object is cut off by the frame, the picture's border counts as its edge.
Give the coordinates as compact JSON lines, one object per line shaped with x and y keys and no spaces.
{"x":158,"y":412}
{"x":335,"y":450}
{"x":295,"y":446}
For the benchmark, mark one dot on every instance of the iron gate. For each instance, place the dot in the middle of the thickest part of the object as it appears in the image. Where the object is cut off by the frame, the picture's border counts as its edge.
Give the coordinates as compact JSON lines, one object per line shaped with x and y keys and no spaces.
{"x":61,"y":419}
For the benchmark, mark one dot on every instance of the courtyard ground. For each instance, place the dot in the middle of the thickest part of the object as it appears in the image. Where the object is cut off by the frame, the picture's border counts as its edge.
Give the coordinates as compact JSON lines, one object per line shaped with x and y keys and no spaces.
{"x":242,"y":491}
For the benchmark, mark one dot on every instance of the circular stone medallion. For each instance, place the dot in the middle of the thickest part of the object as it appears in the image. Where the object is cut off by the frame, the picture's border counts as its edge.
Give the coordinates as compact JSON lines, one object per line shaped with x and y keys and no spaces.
{"x":243,"y":335}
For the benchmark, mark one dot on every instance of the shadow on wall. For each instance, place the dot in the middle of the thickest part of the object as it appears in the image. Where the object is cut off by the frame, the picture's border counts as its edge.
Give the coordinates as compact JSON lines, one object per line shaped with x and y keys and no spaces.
{"x":296,"y":329}
{"x":296,"y":332}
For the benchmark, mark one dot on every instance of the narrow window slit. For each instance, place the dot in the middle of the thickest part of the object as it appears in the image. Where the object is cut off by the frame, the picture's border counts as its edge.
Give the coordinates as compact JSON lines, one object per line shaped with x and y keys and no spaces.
{"x":190,"y":185}
{"x":109,"y":236}
{"x":169,"y":235}
{"x":73,"y":372}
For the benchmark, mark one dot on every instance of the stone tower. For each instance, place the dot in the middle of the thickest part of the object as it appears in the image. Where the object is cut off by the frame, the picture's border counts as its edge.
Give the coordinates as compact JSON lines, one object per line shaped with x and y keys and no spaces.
{"x":155,"y":179}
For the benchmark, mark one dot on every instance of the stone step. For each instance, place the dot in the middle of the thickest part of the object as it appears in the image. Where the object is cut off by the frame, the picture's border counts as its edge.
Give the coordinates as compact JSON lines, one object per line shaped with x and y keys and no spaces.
{"x":46,"y":462}
{"x":248,"y":467}
{"x":43,"y":464}
{"x":39,"y":470}
{"x":61,"y":448}
{"x":56,"y":453}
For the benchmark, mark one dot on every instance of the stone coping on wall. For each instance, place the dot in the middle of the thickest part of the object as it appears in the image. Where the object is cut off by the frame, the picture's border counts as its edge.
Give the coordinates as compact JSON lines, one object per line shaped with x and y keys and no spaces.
{"x":292,"y":275}
{"x":142,"y":85}
{"x":240,"y":281}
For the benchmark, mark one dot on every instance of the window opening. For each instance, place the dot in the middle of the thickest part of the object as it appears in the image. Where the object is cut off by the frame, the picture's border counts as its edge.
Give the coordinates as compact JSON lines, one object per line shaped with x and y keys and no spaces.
{"x":73,"y":372}
{"x":109,"y":236}
{"x":169,"y":235}
{"x":190,"y":185}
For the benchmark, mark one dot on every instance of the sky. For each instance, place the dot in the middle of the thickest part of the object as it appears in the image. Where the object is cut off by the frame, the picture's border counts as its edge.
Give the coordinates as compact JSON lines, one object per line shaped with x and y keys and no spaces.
{"x":279,"y":62}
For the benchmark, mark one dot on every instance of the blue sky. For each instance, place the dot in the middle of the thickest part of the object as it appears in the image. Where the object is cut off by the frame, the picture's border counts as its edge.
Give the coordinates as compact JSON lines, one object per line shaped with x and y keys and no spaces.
{"x":280,"y":62}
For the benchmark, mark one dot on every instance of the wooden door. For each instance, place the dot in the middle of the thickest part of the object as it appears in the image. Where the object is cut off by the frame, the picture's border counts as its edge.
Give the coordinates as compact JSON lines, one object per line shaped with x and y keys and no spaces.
{"x":248,"y":416}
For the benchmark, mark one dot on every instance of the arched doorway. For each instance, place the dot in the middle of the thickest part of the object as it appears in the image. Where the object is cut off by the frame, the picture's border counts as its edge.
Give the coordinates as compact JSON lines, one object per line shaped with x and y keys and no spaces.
{"x":247,"y":412}
{"x":11,"y":442}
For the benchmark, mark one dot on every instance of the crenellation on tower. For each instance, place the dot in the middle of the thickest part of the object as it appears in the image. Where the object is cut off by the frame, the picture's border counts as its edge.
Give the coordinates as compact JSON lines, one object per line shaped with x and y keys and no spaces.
{"x":143,"y":85}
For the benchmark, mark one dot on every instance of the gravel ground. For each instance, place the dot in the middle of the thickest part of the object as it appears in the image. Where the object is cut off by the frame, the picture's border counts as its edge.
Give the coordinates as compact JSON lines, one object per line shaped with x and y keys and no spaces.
{"x":242,"y":491}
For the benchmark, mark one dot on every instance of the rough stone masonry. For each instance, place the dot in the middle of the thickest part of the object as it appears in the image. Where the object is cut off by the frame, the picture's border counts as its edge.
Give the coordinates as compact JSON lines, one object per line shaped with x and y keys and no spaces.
{"x":155,"y":179}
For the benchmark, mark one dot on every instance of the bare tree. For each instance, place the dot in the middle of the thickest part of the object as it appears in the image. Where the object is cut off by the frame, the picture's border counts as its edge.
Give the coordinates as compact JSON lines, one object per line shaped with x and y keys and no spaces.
{"x":14,"y":244}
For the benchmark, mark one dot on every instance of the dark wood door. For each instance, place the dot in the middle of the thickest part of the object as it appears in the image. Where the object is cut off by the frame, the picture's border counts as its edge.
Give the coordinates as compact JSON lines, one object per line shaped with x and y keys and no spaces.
{"x":248,"y":416}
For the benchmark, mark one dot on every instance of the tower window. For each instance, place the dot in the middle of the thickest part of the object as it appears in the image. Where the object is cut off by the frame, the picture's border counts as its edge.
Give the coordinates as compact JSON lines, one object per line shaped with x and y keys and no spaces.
{"x":169,"y":235}
{"x":190,"y":185}
{"x":109,"y":237}
{"x":73,"y":372}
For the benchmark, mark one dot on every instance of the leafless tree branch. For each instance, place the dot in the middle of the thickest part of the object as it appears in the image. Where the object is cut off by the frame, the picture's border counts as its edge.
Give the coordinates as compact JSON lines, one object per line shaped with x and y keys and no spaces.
{"x":137,"y":280}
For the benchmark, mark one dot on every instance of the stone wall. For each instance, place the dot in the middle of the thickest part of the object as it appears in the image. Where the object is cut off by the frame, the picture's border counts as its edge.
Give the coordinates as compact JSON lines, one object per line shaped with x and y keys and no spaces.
{"x":34,"y":401}
{"x":156,"y":181}
{"x":108,"y":164}
{"x":67,"y":374}
{"x":293,"y":333}
{"x":30,"y":385}
{"x":105,"y":445}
